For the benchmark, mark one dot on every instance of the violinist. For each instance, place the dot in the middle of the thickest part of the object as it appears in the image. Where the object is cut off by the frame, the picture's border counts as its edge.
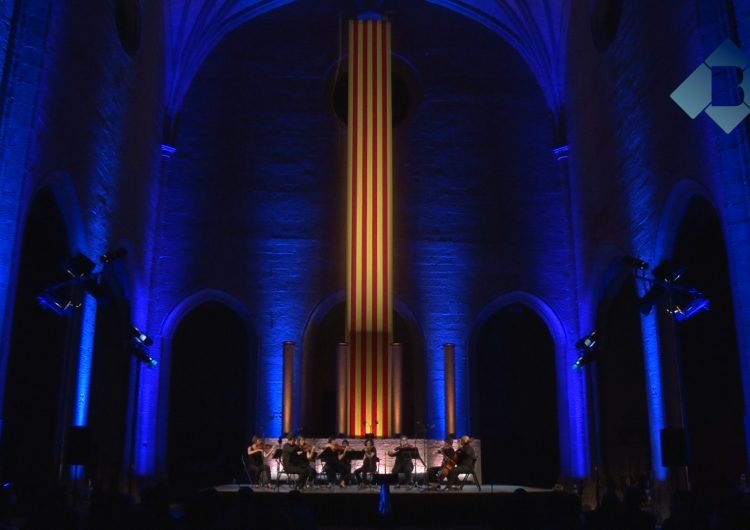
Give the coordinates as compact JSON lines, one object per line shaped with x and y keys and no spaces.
{"x":257,"y":454}
{"x":465,"y":458}
{"x":294,"y":460}
{"x":369,"y":463}
{"x":345,"y":463}
{"x":435,"y":473}
{"x":330,"y":460}
{"x":335,"y":462}
{"x":403,"y":462}
{"x":307,"y":456}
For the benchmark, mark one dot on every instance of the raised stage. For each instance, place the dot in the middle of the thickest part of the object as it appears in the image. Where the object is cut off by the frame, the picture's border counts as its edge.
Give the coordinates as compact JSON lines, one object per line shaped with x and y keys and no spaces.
{"x":497,"y":505}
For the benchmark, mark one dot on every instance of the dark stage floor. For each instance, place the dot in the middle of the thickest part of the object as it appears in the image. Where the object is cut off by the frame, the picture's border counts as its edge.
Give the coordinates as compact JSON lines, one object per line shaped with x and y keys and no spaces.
{"x":495,"y":506}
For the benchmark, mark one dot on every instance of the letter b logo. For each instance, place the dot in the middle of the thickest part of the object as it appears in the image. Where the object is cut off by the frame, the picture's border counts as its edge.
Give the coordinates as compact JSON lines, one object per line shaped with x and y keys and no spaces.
{"x":694,"y":95}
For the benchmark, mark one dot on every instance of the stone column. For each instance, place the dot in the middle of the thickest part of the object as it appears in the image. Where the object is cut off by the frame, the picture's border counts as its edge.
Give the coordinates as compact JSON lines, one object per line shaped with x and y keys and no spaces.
{"x":288,"y":412}
{"x":397,"y":378}
{"x":342,"y":369}
{"x":449,"y":351}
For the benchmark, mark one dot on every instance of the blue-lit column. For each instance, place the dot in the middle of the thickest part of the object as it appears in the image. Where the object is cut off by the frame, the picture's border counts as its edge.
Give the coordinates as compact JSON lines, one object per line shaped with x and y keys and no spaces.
{"x":146,"y":310}
{"x":577,"y":319}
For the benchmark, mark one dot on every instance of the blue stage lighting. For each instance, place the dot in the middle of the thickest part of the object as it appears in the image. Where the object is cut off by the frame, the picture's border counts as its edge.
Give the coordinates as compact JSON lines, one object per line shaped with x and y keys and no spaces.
{"x":695,"y":306}
{"x":62,"y":299}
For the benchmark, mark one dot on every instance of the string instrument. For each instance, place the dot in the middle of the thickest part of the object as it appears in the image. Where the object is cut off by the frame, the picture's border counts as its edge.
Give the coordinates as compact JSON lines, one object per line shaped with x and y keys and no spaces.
{"x":398,"y":449}
{"x":450,"y":463}
{"x":310,"y":452}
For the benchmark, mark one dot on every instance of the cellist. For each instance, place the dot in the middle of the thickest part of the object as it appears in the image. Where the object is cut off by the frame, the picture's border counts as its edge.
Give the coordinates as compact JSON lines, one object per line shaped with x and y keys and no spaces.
{"x":437,"y":474}
{"x":465,"y":458}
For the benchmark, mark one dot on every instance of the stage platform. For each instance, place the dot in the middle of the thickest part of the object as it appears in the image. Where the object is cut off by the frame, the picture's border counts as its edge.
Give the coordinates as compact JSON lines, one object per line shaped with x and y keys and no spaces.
{"x":375,"y":489}
{"x":496,"y":506}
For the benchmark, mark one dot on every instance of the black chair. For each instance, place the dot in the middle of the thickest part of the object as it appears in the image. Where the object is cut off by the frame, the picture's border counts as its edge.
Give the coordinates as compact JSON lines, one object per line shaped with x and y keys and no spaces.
{"x":471,"y":475}
{"x":250,"y":479}
{"x":290,"y":477}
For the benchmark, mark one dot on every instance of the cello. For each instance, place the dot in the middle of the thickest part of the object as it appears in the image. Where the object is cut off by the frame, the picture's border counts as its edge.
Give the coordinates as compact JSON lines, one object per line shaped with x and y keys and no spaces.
{"x":450,"y":463}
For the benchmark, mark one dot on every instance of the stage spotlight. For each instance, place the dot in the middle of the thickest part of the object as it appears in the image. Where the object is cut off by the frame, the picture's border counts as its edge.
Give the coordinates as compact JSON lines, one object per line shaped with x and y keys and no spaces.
{"x":587,"y":345}
{"x":79,"y":266}
{"x":60,"y":300}
{"x":695,"y":306}
{"x":140,"y":337}
{"x":112,"y":255}
{"x":662,"y":285}
{"x":636,"y":263}
{"x":144,"y":356}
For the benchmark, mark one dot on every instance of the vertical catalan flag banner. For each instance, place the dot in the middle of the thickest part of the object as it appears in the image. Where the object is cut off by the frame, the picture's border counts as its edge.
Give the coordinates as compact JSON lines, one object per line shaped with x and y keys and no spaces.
{"x":369,"y":327}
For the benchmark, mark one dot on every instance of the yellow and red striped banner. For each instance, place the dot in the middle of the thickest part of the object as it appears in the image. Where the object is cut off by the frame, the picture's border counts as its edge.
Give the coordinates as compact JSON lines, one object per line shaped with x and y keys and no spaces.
{"x":369,"y":284}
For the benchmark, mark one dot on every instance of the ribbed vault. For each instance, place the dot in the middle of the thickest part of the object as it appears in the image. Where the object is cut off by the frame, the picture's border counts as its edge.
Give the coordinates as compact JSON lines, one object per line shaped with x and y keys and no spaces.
{"x":537,"y":30}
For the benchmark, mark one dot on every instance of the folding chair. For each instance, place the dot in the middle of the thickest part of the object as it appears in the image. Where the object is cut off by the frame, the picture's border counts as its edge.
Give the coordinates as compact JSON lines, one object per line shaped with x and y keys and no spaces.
{"x":471,"y":475}
{"x":250,"y":479}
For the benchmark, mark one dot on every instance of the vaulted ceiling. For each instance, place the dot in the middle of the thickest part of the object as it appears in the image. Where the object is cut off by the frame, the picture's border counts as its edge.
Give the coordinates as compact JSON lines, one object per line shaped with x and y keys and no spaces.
{"x":536,"y":29}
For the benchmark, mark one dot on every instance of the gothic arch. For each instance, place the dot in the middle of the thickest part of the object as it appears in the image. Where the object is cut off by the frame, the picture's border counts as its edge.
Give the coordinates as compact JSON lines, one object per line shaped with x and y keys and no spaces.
{"x":166,"y":336}
{"x":511,"y":372}
{"x":405,"y":323}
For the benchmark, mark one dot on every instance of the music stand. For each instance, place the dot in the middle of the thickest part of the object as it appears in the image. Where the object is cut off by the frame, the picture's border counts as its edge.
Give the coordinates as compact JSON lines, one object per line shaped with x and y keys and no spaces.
{"x":413,"y":454}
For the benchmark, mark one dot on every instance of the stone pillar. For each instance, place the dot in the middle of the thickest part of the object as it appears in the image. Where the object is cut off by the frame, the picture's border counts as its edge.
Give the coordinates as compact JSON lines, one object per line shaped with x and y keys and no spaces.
{"x":449,"y":351}
{"x":288,"y":412}
{"x":397,"y":378}
{"x":342,"y":369}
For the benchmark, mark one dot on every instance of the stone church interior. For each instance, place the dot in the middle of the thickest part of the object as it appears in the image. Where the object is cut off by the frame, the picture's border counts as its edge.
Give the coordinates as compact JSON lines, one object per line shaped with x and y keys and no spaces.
{"x":236,"y":231}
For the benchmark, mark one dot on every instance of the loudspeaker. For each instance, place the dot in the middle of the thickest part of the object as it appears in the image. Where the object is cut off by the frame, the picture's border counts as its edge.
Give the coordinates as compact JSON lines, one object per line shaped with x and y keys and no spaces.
{"x":674,"y":447}
{"x":78,"y":445}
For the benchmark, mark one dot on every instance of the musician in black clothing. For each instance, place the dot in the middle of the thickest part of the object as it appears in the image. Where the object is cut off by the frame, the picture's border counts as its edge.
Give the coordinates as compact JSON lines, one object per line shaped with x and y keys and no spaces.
{"x":294,"y":460}
{"x":330,"y":460}
{"x":433,"y":473}
{"x":403,"y":460}
{"x":465,"y":461}
{"x":256,"y":457}
{"x":369,"y":463}
{"x":345,"y":463}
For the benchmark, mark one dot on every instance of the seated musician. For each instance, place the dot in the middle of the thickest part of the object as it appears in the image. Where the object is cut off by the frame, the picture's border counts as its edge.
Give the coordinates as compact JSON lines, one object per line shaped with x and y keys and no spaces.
{"x":369,"y":462}
{"x":294,"y":460}
{"x":437,"y":474}
{"x":307,"y":456}
{"x":344,"y":463}
{"x":330,"y":460}
{"x":256,"y":461}
{"x":465,"y":457}
{"x":403,"y":462}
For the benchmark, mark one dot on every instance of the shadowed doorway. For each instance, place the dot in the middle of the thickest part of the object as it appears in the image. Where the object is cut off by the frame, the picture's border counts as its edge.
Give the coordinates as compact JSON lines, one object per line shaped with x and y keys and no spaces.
{"x":712,"y":385}
{"x":211,"y":397}
{"x":514,"y":399}
{"x":33,"y":414}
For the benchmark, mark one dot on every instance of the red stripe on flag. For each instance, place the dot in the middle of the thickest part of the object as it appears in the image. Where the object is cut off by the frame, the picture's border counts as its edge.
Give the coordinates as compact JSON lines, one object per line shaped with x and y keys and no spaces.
{"x":386,"y":239}
{"x":365,"y":139}
{"x":375,"y":236}
{"x":353,"y":250}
